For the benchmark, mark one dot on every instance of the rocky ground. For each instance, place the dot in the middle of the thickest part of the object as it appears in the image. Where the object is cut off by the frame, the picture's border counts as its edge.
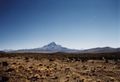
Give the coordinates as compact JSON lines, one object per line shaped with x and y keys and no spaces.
{"x":25,"y":69}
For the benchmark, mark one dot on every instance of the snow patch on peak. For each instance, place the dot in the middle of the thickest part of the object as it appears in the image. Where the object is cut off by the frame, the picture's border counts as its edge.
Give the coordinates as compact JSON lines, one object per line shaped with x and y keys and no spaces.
{"x":53,"y":46}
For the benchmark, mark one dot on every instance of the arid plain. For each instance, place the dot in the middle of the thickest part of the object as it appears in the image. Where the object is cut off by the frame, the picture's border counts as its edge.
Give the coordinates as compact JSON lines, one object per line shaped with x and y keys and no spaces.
{"x":58,"y":67}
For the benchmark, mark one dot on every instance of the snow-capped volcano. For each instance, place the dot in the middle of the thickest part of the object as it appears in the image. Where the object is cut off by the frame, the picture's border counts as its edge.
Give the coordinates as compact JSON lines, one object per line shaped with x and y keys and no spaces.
{"x":49,"y":48}
{"x":53,"y":47}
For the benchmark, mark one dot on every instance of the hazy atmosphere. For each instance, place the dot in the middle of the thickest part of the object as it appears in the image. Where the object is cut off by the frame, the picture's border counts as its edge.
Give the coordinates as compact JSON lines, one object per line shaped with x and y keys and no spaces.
{"x":75,"y":24}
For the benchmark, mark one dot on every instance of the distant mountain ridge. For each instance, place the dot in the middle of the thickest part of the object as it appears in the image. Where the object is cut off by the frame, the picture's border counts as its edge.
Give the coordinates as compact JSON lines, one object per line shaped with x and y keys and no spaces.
{"x":2,"y":52}
{"x":49,"y":48}
{"x":101,"y":50}
{"x":53,"y":47}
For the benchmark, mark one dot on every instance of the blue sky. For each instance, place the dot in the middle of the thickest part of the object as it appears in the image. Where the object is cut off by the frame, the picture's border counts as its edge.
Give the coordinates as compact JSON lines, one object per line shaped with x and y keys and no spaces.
{"x":78,"y":24}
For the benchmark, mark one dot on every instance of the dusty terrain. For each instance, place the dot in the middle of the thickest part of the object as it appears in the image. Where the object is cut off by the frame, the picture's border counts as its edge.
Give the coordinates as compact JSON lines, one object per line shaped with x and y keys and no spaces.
{"x":29,"y":69}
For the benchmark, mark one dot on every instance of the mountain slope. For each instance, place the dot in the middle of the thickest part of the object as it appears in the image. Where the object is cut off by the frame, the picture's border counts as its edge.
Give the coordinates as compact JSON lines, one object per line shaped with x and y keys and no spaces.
{"x":53,"y":47}
{"x":2,"y":52}
{"x":101,"y":50}
{"x":50,"y":48}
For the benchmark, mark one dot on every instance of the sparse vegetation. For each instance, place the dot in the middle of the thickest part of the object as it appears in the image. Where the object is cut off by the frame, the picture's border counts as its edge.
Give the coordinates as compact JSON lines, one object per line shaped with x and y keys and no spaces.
{"x":59,"y":67}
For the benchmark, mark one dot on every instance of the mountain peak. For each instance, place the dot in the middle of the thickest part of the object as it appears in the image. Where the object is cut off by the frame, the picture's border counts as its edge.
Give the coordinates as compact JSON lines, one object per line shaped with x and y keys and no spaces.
{"x":53,"y":47}
{"x":52,"y":43}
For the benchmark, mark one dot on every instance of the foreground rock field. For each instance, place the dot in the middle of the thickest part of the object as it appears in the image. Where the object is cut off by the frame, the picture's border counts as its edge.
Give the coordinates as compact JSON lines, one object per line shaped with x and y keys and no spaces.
{"x":27,"y":69}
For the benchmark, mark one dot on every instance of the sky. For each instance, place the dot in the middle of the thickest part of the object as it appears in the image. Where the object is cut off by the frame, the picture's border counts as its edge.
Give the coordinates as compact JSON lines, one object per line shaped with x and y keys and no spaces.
{"x":78,"y":24}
